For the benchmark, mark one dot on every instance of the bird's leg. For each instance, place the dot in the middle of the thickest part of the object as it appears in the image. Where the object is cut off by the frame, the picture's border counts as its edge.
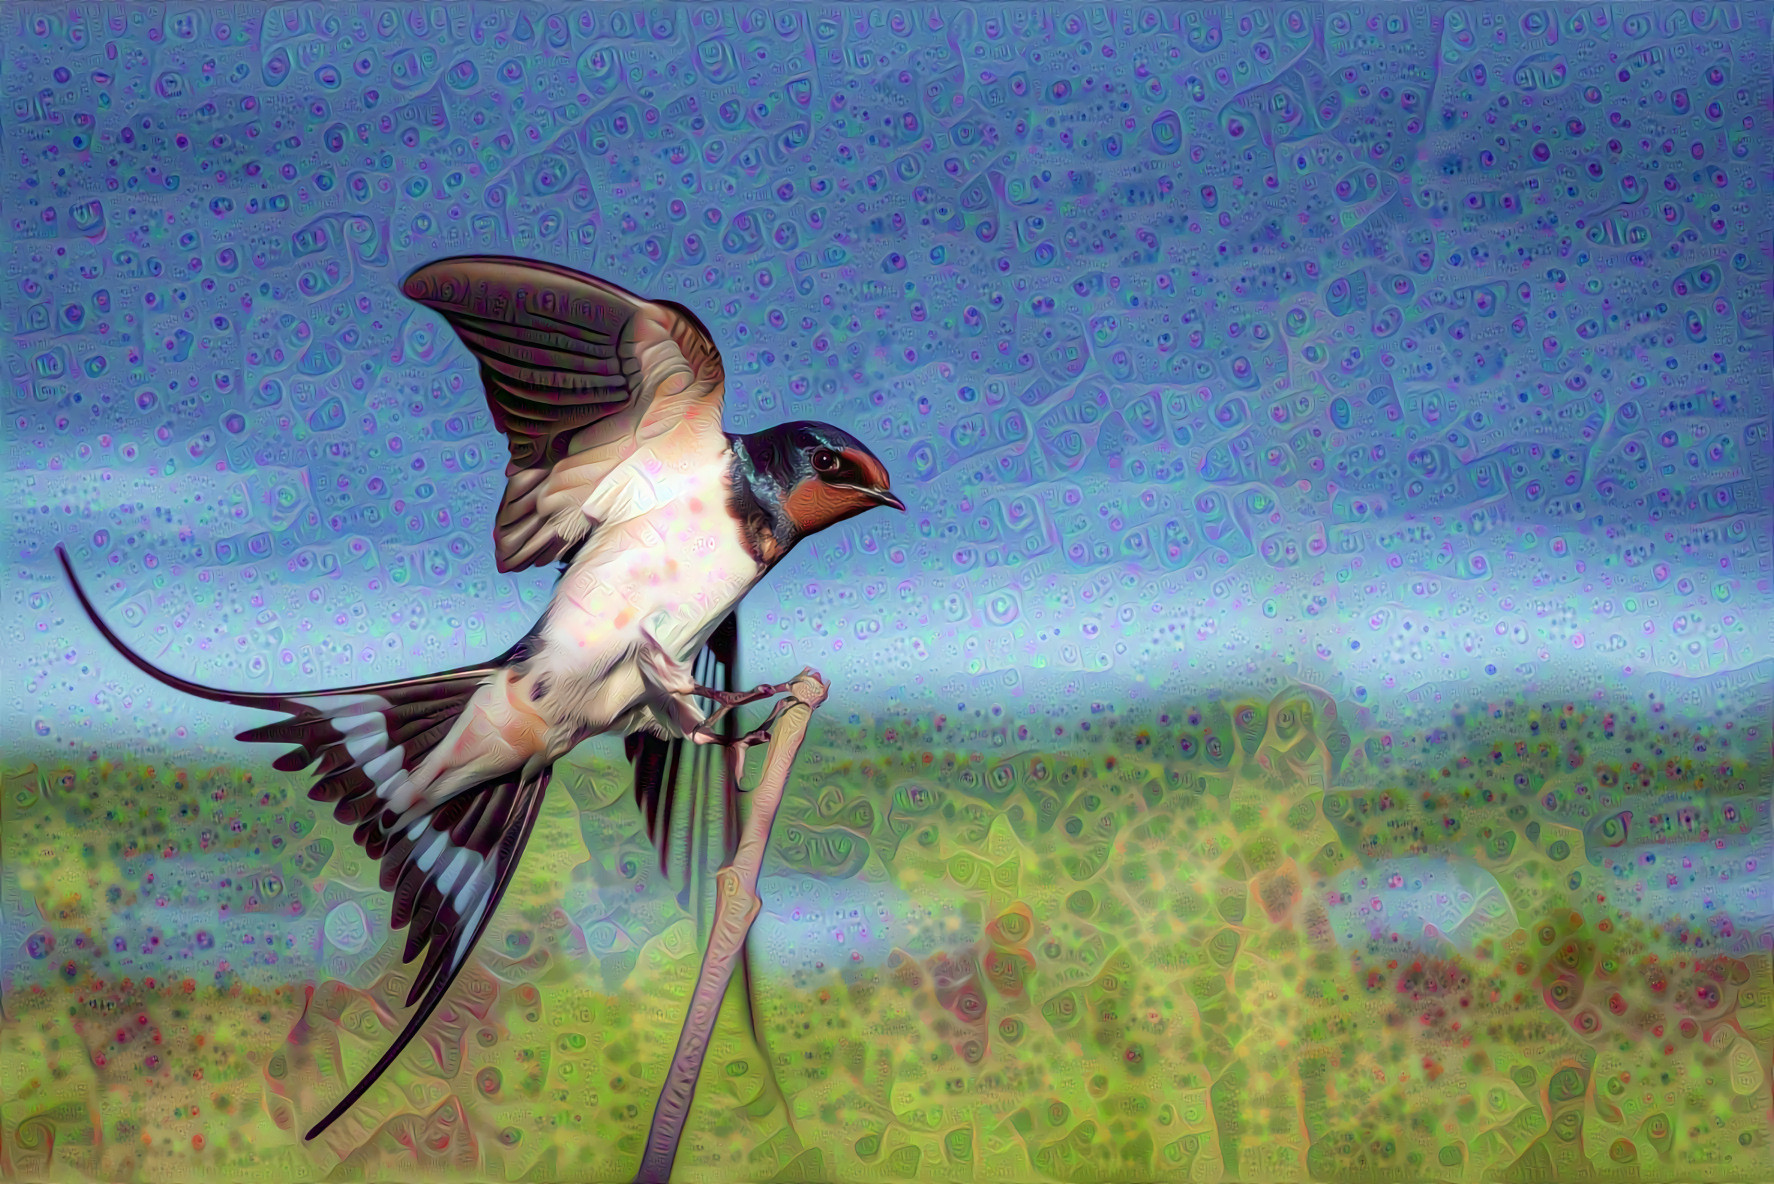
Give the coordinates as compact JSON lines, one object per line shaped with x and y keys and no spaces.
{"x":741,"y":698}
{"x":735,"y":746}
{"x":660,"y":670}
{"x":670,"y":683}
{"x":703,"y":734}
{"x":728,"y":700}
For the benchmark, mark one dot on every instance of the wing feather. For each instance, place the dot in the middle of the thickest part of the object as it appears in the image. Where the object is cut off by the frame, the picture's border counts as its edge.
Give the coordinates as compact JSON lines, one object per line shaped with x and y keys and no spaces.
{"x":447,"y":879}
{"x":578,"y":374}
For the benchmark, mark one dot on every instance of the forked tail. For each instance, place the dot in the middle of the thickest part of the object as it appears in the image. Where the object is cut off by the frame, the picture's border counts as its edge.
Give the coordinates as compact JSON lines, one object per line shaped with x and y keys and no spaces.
{"x":446,"y":863}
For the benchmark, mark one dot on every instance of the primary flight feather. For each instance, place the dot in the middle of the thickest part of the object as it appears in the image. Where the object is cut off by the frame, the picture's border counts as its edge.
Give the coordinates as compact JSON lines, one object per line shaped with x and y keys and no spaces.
{"x":621,"y":471}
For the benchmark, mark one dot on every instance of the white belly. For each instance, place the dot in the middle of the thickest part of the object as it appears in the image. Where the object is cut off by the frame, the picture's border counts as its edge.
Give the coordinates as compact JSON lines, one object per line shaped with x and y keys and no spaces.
{"x":672,"y":573}
{"x":670,"y":570}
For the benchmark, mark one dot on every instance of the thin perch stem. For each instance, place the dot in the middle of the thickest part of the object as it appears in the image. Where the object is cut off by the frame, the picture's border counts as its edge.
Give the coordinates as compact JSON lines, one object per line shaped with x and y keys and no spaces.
{"x":736,"y":907}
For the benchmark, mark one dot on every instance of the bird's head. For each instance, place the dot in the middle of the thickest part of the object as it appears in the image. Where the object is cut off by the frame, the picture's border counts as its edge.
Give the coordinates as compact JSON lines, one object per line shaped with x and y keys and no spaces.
{"x":817,"y":474}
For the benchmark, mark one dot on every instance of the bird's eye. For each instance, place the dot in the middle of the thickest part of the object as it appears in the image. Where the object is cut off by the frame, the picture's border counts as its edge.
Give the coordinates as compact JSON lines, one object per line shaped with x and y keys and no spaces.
{"x":825,"y":460}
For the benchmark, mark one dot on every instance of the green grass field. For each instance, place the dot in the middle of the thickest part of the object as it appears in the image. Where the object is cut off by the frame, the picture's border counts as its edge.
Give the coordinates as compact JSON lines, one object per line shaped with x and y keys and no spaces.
{"x":1227,"y":941}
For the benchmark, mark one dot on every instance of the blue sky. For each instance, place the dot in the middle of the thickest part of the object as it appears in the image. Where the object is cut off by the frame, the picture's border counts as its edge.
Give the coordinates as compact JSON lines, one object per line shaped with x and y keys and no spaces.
{"x":1362,"y":356}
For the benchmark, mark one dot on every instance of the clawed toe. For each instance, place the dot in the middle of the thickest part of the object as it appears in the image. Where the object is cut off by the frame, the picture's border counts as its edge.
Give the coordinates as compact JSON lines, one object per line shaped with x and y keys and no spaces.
{"x":728,"y":700}
{"x":703,"y":735}
{"x":740,"y":698}
{"x":734,"y":747}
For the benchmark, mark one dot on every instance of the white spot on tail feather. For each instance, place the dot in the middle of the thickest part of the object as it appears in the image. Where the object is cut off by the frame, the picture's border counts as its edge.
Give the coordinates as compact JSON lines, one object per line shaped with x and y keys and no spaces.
{"x":432,"y":852}
{"x":393,"y":785}
{"x":385,"y":765}
{"x":467,"y":937}
{"x":366,"y":745}
{"x":471,"y":885}
{"x":447,"y":878}
{"x":351,"y":725}
{"x":402,"y":797}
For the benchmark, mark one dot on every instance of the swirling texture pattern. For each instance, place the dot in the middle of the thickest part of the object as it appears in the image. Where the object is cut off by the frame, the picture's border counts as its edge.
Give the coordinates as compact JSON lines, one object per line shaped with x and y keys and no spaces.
{"x":1313,"y":723}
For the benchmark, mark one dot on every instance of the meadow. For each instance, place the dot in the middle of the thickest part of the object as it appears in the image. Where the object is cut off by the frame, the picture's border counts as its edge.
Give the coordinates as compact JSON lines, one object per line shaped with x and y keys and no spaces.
{"x":1244,"y":939}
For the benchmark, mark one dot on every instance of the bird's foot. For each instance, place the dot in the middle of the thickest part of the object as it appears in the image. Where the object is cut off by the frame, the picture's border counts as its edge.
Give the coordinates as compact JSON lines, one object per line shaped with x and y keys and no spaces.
{"x":701,"y":735}
{"x":735,"y":746}
{"x":732,"y":748}
{"x":728,"y":700}
{"x":741,"y":698}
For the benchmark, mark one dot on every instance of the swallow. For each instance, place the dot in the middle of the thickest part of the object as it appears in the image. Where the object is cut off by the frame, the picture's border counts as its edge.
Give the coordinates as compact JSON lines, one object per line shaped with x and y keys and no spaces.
{"x":661,"y":522}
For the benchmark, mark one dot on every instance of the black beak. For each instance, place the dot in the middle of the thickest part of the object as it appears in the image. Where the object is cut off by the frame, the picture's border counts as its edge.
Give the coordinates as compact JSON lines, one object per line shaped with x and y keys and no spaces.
{"x":886,"y":498}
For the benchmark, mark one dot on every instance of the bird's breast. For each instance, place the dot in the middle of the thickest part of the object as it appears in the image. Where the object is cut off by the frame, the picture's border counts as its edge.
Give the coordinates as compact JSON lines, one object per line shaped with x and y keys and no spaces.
{"x":673,"y":571}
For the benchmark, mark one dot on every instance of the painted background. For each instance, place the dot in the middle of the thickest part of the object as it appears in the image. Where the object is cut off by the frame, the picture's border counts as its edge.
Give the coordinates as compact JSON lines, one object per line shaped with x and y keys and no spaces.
{"x":1314,"y":722}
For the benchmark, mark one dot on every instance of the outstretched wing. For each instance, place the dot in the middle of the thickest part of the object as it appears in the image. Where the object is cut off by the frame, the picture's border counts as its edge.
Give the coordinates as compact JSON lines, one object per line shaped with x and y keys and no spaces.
{"x":579,"y":374}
